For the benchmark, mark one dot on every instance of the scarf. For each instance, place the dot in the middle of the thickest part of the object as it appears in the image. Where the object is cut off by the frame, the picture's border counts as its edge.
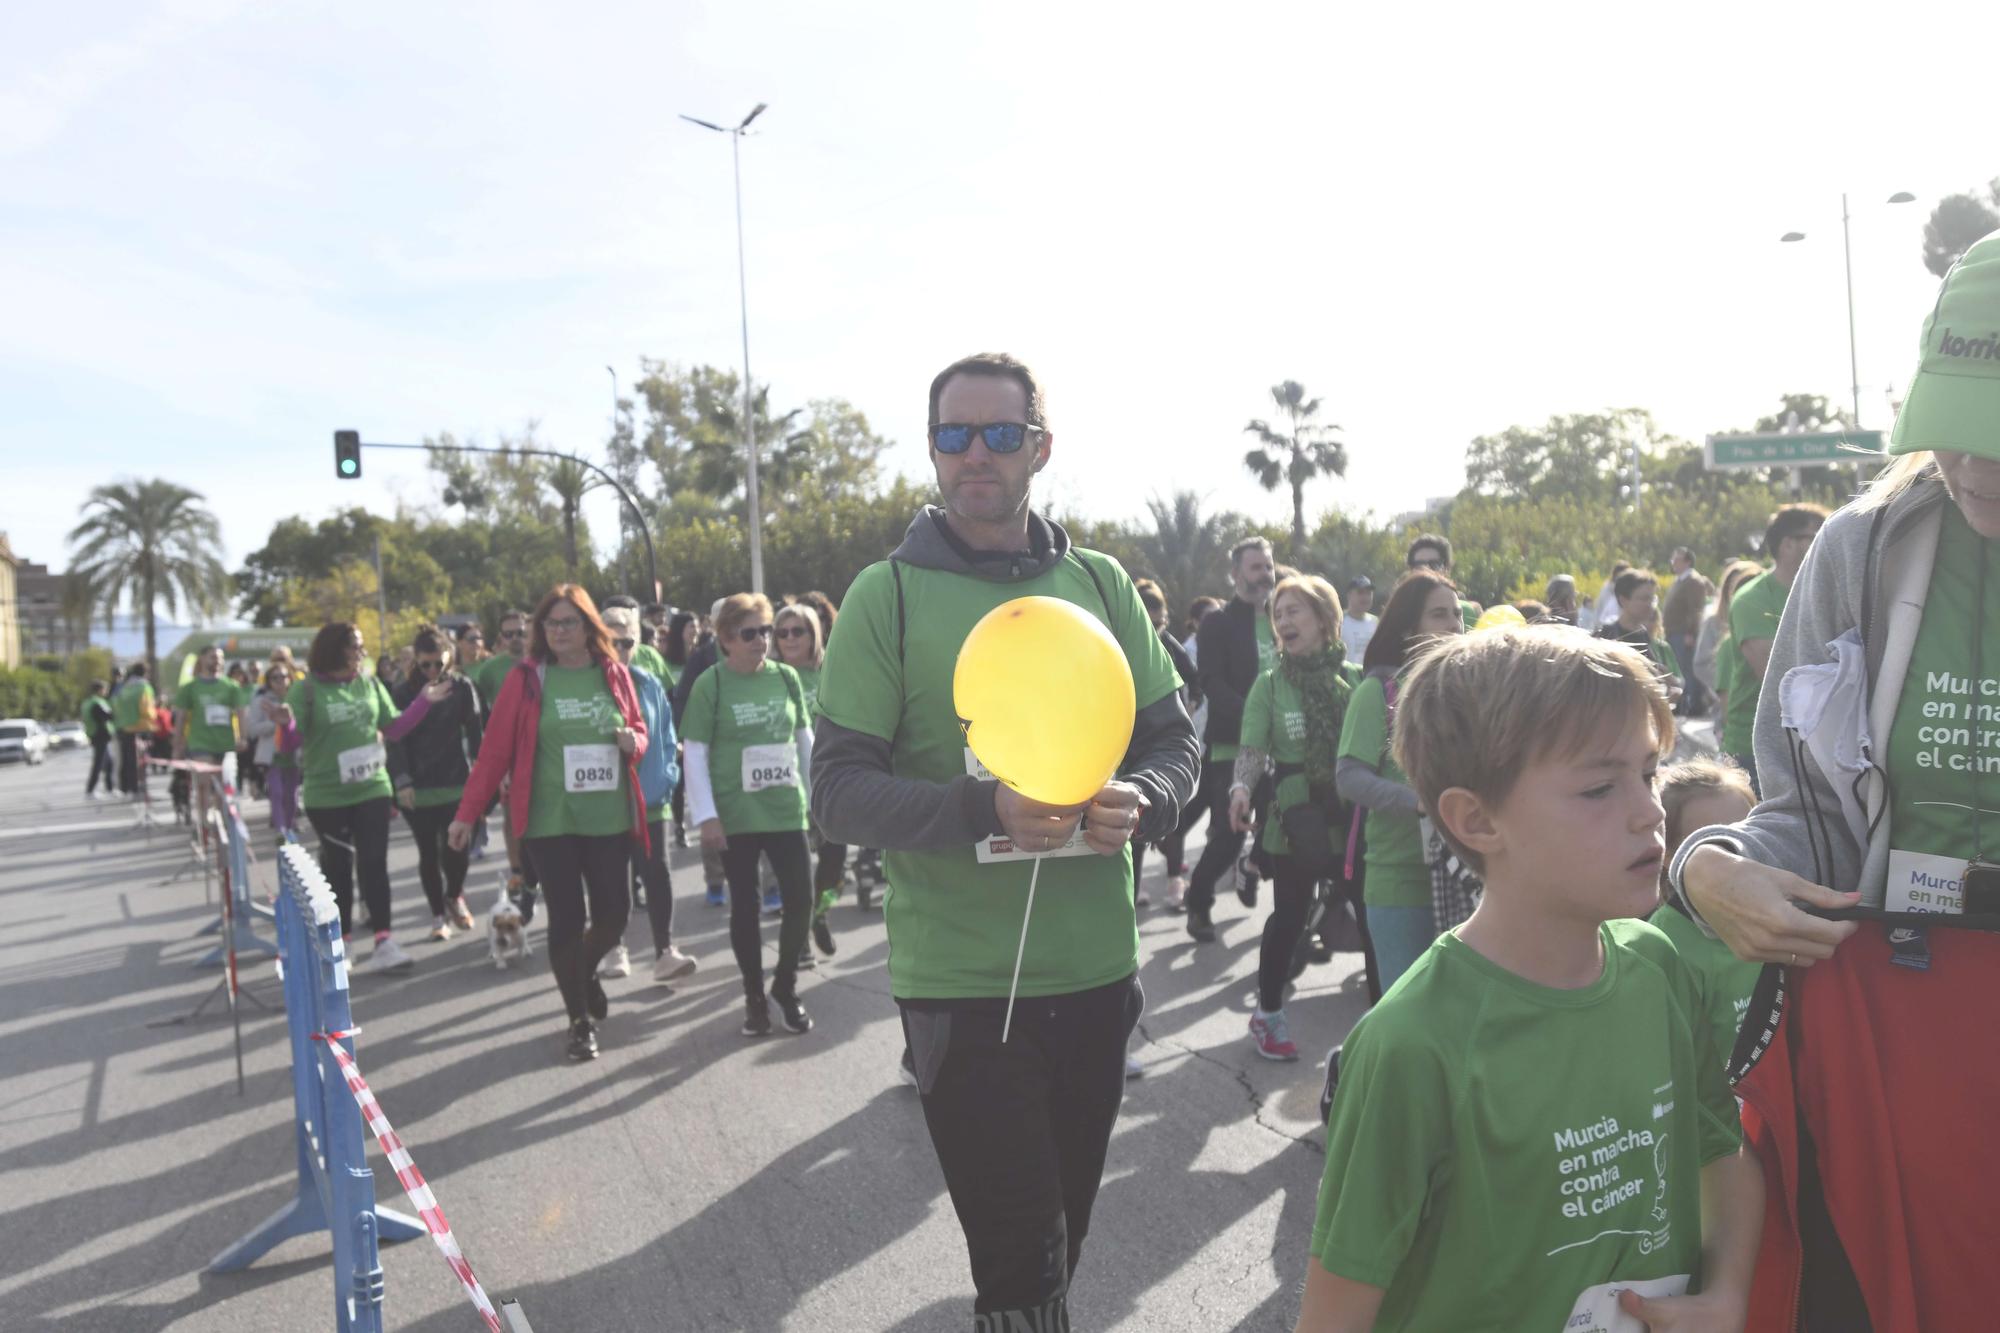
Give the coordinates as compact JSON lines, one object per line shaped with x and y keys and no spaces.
{"x":1317,"y":679}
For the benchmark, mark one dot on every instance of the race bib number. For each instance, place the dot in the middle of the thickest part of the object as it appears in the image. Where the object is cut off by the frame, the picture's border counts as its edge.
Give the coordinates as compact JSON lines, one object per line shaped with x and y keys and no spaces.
{"x":766,"y":767}
{"x":362,"y":763}
{"x":1596,"y":1310}
{"x":216,"y":715}
{"x":1000,"y":848}
{"x":590,"y":768}
{"x":1922,"y":883}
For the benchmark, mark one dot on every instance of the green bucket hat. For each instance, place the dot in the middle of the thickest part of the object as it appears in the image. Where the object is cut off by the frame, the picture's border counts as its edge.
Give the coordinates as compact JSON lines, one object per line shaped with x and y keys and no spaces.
{"x":1954,"y":401}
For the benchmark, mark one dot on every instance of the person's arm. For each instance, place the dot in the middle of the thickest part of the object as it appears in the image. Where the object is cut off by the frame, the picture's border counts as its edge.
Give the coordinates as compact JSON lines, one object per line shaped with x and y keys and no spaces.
{"x":1335,"y":1304}
{"x":401,"y":724}
{"x":496,"y":753}
{"x":803,"y":739}
{"x":1360,"y":783}
{"x":1756,"y":656}
{"x":1732,"y":1225}
{"x":857,"y":798}
{"x":700,"y":791}
{"x":474,"y":720}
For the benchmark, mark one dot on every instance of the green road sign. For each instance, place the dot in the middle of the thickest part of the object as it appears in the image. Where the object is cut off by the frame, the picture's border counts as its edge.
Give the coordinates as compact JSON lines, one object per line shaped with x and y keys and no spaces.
{"x":1799,"y":450}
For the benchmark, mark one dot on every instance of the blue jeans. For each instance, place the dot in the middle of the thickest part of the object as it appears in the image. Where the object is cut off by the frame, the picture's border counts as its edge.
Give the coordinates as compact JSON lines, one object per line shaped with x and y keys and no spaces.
{"x":1401,"y":935}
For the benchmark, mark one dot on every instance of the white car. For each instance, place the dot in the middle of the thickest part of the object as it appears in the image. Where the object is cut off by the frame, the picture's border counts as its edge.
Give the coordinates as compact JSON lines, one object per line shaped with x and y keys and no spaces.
{"x":68,"y":736}
{"x":22,"y":738}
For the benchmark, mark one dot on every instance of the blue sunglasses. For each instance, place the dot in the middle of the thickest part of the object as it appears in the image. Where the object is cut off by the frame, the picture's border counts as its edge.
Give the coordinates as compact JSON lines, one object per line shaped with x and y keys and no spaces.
{"x":1002,"y":437}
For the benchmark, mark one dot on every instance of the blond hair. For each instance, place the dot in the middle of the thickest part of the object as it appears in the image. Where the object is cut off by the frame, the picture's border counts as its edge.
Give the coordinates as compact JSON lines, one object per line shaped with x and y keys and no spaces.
{"x":1903,"y":472}
{"x":733,"y":611}
{"x":1692,"y":779}
{"x":1477,"y":709}
{"x":1320,"y":597}
{"x":806,"y":616}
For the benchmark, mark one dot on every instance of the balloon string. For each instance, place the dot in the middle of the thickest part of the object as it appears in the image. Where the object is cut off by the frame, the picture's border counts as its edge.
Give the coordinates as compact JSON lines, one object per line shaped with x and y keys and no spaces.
{"x":1020,"y":951}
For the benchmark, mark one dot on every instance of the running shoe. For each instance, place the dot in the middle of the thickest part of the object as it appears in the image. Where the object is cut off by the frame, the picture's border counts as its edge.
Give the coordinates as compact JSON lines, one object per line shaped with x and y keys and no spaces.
{"x":822,"y":934}
{"x":1246,"y":882}
{"x":774,"y":902}
{"x":461,"y":915}
{"x":1176,"y":901}
{"x":717,"y":896}
{"x":756,"y":1016}
{"x":1272,"y":1034}
{"x":1133,"y":1069}
{"x":680,"y":837}
{"x":596,"y":1001}
{"x":441,"y":929}
{"x":805,"y":962}
{"x":582,"y":1041}
{"x":387,"y":956}
{"x":1199,"y":927}
{"x":617,"y":963}
{"x":672,"y":965}
{"x":793,"y":1013}
{"x":906,"y":1069}
{"x":1332,"y":1083}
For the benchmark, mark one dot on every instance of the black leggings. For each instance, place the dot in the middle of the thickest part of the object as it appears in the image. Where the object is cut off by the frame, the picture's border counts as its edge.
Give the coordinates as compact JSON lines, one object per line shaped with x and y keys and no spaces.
{"x":364,"y":829}
{"x":441,"y":869}
{"x":1291,"y":896}
{"x":100,"y":762}
{"x":792,"y":863}
{"x":567,"y":864}
{"x":651,"y":869}
{"x":131,"y":765}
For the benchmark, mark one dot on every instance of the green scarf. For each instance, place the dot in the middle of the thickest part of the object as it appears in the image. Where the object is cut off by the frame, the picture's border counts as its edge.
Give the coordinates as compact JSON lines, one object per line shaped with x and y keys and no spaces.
{"x":1318,"y":680}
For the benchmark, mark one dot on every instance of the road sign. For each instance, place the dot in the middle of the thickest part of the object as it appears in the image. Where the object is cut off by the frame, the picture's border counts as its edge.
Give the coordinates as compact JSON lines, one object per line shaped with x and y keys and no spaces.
{"x":1802,"y":449}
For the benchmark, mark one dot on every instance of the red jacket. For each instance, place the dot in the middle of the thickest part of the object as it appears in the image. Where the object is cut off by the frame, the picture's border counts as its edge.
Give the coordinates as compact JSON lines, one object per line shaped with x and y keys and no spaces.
{"x":508,"y":748}
{"x":1895,"y":1072}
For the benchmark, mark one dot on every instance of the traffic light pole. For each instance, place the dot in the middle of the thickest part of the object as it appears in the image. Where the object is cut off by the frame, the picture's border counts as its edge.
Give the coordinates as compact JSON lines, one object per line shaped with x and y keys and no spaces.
{"x":652,"y":565}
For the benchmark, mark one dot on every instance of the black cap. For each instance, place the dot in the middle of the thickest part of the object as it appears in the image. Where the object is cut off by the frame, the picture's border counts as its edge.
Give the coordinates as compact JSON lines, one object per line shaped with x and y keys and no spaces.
{"x":1361,"y":581}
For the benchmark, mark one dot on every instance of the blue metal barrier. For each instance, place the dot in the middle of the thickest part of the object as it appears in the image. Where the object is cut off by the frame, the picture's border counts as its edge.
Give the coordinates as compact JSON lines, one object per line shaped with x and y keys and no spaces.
{"x":244,"y":909}
{"x":336,"y":1188}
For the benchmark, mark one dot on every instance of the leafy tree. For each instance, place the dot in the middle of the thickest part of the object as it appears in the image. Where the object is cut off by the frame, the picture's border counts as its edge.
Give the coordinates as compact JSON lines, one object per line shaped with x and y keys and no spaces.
{"x":1302,"y":450}
{"x":1346,"y":545}
{"x":1582,"y":454}
{"x":1187,"y":551}
{"x":1956,"y":222}
{"x":150,"y":543}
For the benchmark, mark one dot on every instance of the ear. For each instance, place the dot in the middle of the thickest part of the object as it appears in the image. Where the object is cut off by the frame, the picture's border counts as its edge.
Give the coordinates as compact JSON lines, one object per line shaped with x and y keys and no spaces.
{"x":1468,"y":819}
{"x":1042,"y":450}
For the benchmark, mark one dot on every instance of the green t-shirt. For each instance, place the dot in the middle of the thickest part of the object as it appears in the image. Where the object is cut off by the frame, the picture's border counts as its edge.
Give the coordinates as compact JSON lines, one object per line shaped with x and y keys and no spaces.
{"x":96,"y":718}
{"x":1753,"y":614}
{"x":954,"y":917}
{"x":647,"y":658}
{"x":1468,"y":612}
{"x":343,"y":761}
{"x":1397,"y":875}
{"x":670,"y":675}
{"x":1935,"y":743}
{"x":750,"y":725}
{"x":580,"y":780}
{"x":1498,"y":1148}
{"x":129,"y":703}
{"x":1267,"y":657}
{"x":209,"y":704}
{"x":488,"y":676}
{"x":809,"y":682}
{"x":1723,"y":982}
{"x":1274,"y":721}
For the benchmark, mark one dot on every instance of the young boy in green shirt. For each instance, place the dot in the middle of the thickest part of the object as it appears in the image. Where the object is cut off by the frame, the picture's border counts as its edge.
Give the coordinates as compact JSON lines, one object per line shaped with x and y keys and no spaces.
{"x":1533,"y":1129}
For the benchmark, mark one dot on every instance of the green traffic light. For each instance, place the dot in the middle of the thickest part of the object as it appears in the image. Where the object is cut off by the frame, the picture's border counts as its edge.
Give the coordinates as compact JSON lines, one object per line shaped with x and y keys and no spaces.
{"x":347,"y":467}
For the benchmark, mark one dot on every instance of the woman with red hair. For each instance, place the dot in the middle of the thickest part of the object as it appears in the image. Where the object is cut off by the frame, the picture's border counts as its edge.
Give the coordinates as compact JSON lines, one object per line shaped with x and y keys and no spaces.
{"x":566,"y":728}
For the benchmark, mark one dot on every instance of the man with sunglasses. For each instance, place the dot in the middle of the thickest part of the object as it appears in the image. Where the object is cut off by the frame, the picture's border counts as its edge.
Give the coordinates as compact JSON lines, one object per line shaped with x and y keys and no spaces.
{"x":487,"y":677}
{"x":1020,"y":1128}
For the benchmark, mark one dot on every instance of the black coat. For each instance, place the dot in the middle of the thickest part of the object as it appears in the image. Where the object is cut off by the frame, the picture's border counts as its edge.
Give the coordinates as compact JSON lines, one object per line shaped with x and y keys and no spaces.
{"x":1226,"y":654}
{"x":439,"y":753}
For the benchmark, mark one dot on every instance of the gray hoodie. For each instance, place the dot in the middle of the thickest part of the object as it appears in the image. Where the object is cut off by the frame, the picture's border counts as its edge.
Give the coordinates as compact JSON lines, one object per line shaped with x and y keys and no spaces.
{"x":1870,"y":569}
{"x":858,"y":799}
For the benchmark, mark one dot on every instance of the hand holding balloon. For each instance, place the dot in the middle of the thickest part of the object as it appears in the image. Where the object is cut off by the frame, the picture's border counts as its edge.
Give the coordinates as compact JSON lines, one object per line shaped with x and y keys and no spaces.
{"x":1032,"y":826}
{"x":1113,"y":818}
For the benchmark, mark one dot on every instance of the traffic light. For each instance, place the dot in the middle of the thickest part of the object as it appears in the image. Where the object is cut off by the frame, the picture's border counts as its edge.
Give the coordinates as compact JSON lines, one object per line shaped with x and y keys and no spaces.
{"x":347,"y":454}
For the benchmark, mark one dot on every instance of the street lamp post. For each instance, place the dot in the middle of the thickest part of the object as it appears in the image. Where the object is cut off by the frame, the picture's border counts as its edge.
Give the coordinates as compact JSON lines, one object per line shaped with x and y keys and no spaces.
{"x":1847,"y":250}
{"x":753,"y":496}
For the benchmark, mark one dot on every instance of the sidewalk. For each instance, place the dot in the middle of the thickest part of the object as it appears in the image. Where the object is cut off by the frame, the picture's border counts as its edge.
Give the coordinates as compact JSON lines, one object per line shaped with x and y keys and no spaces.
{"x":688,"y":1179}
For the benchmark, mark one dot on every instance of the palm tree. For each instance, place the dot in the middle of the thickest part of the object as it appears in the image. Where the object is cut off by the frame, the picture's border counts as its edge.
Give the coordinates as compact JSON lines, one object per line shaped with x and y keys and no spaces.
{"x":152,"y":543}
{"x":1187,"y":550}
{"x":571,"y":482}
{"x":1309,"y":449}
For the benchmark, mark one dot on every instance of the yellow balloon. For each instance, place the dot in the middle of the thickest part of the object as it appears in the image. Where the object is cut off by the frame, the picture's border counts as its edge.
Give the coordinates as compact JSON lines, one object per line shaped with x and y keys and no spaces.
{"x":1499,"y":615}
{"x":1045,"y":696}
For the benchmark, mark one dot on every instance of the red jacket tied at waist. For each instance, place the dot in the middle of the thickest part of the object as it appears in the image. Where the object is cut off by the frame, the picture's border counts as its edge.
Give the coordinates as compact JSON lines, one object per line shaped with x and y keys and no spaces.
{"x":508,"y":748}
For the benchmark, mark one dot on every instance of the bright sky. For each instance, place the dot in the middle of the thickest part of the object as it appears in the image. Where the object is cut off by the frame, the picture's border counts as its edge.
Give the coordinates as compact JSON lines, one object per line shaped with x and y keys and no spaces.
{"x":227,"y":229}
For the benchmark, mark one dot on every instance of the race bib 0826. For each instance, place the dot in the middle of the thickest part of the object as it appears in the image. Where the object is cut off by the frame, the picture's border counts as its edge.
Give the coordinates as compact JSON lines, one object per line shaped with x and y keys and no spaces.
{"x":590,"y":768}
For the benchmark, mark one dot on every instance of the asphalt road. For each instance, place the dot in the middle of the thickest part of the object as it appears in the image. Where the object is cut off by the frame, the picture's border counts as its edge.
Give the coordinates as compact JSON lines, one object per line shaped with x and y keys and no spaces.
{"x":687,"y":1179}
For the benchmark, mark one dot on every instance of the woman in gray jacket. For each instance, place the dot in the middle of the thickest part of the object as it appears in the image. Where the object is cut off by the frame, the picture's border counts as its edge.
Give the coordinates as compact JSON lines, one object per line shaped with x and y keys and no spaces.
{"x":1877,"y":839}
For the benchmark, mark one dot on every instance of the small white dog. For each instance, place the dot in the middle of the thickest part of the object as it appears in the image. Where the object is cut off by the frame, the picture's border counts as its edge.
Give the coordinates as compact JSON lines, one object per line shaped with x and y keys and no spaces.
{"x":507,"y":934}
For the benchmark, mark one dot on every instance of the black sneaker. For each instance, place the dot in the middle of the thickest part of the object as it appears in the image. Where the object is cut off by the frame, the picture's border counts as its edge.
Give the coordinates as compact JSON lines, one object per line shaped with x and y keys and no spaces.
{"x":1327,"y":1088}
{"x":791,"y":1010}
{"x":756,"y":1016}
{"x":596,"y":1001}
{"x":582,"y":1040}
{"x":1246,"y":882}
{"x":823,"y":936}
{"x":1199,"y":926}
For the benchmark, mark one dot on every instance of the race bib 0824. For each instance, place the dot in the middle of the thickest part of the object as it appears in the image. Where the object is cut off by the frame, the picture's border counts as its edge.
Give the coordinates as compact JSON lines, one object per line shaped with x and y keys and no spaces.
{"x":770,"y":766}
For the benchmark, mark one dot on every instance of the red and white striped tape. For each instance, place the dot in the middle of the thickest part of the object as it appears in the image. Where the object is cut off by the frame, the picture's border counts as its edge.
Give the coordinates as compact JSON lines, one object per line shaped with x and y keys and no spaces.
{"x":412,"y":1180}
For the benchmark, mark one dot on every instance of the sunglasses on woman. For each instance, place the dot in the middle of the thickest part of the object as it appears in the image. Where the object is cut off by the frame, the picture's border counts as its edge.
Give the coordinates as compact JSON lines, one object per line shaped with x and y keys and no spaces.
{"x":624,"y":645}
{"x":752,"y":633}
{"x":429,"y":664}
{"x":794,"y":632}
{"x":1002,"y":437}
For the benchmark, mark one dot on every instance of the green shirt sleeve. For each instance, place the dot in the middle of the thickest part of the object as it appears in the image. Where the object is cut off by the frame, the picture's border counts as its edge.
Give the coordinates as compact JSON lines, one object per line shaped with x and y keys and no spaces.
{"x":698,"y":722}
{"x":1756,"y":616}
{"x":1365,"y":733}
{"x":1720,"y":1126}
{"x":1256,"y":733}
{"x":861,"y":681}
{"x":1388,"y":1134}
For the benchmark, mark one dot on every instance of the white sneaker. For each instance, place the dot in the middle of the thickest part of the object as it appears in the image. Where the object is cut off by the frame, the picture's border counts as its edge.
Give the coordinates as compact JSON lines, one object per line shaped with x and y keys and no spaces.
{"x":1133,"y":1069}
{"x":672,"y":965}
{"x":388,"y":956}
{"x":1176,"y":898}
{"x":617,"y":963}
{"x":440,"y":929}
